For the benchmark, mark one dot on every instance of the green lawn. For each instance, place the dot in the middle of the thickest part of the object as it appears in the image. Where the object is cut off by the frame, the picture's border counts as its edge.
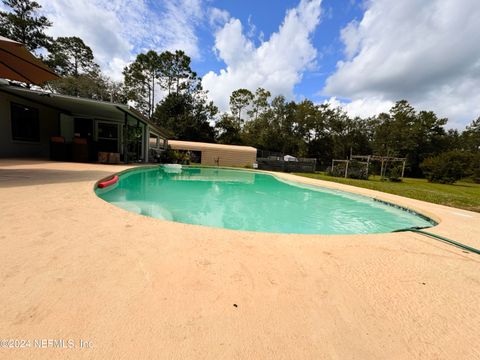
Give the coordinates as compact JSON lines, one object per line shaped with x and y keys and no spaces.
{"x":463,"y":195}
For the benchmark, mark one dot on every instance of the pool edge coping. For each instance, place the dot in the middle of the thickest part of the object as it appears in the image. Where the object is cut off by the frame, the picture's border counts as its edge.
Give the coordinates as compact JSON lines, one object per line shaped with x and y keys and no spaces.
{"x":426,"y":215}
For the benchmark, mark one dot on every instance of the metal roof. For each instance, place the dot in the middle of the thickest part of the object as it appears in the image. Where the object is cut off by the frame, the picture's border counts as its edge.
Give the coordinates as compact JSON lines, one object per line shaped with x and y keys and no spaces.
{"x":78,"y":106}
{"x":197,"y":146}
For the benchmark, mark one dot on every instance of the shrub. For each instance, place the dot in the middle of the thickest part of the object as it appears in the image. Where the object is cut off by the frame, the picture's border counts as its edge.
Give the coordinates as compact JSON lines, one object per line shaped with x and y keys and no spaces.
{"x":395,"y":174}
{"x":356,"y":170}
{"x":476,"y":169}
{"x":171,"y":156}
{"x":182,"y":157}
{"x":338,"y":170}
{"x":168,"y":156}
{"x":447,"y":167}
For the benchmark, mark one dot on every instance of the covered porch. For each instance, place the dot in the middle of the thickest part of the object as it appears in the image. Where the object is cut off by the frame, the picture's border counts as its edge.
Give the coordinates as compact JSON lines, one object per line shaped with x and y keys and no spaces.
{"x":69,"y":128}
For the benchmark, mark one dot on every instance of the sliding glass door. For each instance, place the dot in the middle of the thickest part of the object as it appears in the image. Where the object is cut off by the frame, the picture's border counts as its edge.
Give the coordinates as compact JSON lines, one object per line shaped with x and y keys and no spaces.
{"x":108,"y":136}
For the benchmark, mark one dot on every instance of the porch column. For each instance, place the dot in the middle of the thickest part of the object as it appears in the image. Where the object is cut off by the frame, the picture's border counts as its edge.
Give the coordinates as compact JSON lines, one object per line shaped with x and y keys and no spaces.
{"x":146,"y":142}
{"x":125,"y":138}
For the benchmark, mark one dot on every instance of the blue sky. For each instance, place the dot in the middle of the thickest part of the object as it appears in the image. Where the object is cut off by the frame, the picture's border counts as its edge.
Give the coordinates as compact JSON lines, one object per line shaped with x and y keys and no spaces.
{"x":361,"y":55}
{"x":267,"y":19}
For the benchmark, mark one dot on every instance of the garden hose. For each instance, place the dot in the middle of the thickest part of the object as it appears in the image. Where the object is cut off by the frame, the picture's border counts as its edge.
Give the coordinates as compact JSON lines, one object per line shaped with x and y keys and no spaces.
{"x":419,"y":230}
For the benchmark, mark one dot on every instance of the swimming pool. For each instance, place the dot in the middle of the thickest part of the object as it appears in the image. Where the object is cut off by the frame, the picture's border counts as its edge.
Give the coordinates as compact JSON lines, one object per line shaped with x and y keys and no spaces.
{"x":253,"y":201}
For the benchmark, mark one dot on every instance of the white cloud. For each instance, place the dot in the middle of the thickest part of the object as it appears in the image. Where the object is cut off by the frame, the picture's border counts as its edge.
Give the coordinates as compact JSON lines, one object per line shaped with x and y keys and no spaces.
{"x":276,"y":64}
{"x":252,"y":29}
{"x":362,"y":107}
{"x":178,"y":24}
{"x":117,"y":30}
{"x":115,"y":67}
{"x":217,"y":17}
{"x":426,"y":52}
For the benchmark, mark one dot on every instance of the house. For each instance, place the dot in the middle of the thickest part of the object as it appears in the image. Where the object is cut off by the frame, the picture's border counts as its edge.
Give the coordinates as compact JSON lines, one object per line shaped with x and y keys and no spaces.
{"x":33,"y":123}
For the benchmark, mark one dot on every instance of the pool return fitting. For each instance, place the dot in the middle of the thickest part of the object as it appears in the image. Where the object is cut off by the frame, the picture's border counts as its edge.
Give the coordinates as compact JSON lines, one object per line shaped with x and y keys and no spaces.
{"x":419,"y":230}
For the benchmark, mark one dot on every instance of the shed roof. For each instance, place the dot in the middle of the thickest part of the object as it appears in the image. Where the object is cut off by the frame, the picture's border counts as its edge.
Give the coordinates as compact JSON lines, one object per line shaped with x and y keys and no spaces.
{"x":199,"y":146}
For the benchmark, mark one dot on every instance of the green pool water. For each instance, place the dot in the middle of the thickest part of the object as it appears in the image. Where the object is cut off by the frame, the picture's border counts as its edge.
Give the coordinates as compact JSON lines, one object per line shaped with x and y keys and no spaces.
{"x":248,"y":200}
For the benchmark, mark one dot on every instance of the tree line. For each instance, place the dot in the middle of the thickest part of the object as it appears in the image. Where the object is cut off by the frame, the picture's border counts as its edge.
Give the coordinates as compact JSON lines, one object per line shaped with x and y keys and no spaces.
{"x":324,"y":132}
{"x":165,"y":89}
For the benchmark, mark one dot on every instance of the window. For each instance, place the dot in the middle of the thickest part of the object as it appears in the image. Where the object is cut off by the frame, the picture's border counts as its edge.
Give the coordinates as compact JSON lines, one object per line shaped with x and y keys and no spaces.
{"x":153,"y":141}
{"x":107,"y":131}
{"x":83,"y":127}
{"x":25,"y":124}
{"x":107,"y":137}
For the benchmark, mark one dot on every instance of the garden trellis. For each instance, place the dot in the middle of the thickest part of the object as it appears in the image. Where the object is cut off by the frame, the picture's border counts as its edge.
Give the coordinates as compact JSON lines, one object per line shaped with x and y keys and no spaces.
{"x":368,"y":159}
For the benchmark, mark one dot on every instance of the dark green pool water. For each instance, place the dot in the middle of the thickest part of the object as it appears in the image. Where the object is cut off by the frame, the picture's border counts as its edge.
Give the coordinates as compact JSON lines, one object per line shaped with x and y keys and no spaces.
{"x":247,"y":200}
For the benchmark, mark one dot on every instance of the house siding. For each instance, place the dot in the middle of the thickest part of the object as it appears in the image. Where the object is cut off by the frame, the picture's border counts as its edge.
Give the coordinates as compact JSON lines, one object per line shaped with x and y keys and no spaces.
{"x":49,"y":124}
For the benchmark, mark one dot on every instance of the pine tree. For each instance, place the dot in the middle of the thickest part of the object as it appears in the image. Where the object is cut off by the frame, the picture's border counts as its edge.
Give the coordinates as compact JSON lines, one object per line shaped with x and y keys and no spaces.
{"x":23,"y":24}
{"x":70,"y":56}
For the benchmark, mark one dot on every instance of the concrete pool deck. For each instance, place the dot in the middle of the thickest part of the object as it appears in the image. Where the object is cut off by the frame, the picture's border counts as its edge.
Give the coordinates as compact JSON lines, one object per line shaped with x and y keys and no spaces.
{"x":73,"y":267}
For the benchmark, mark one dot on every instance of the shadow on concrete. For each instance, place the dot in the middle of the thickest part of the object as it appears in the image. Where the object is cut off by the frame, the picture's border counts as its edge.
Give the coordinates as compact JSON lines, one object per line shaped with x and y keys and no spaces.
{"x":6,"y":162}
{"x":29,"y":177}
